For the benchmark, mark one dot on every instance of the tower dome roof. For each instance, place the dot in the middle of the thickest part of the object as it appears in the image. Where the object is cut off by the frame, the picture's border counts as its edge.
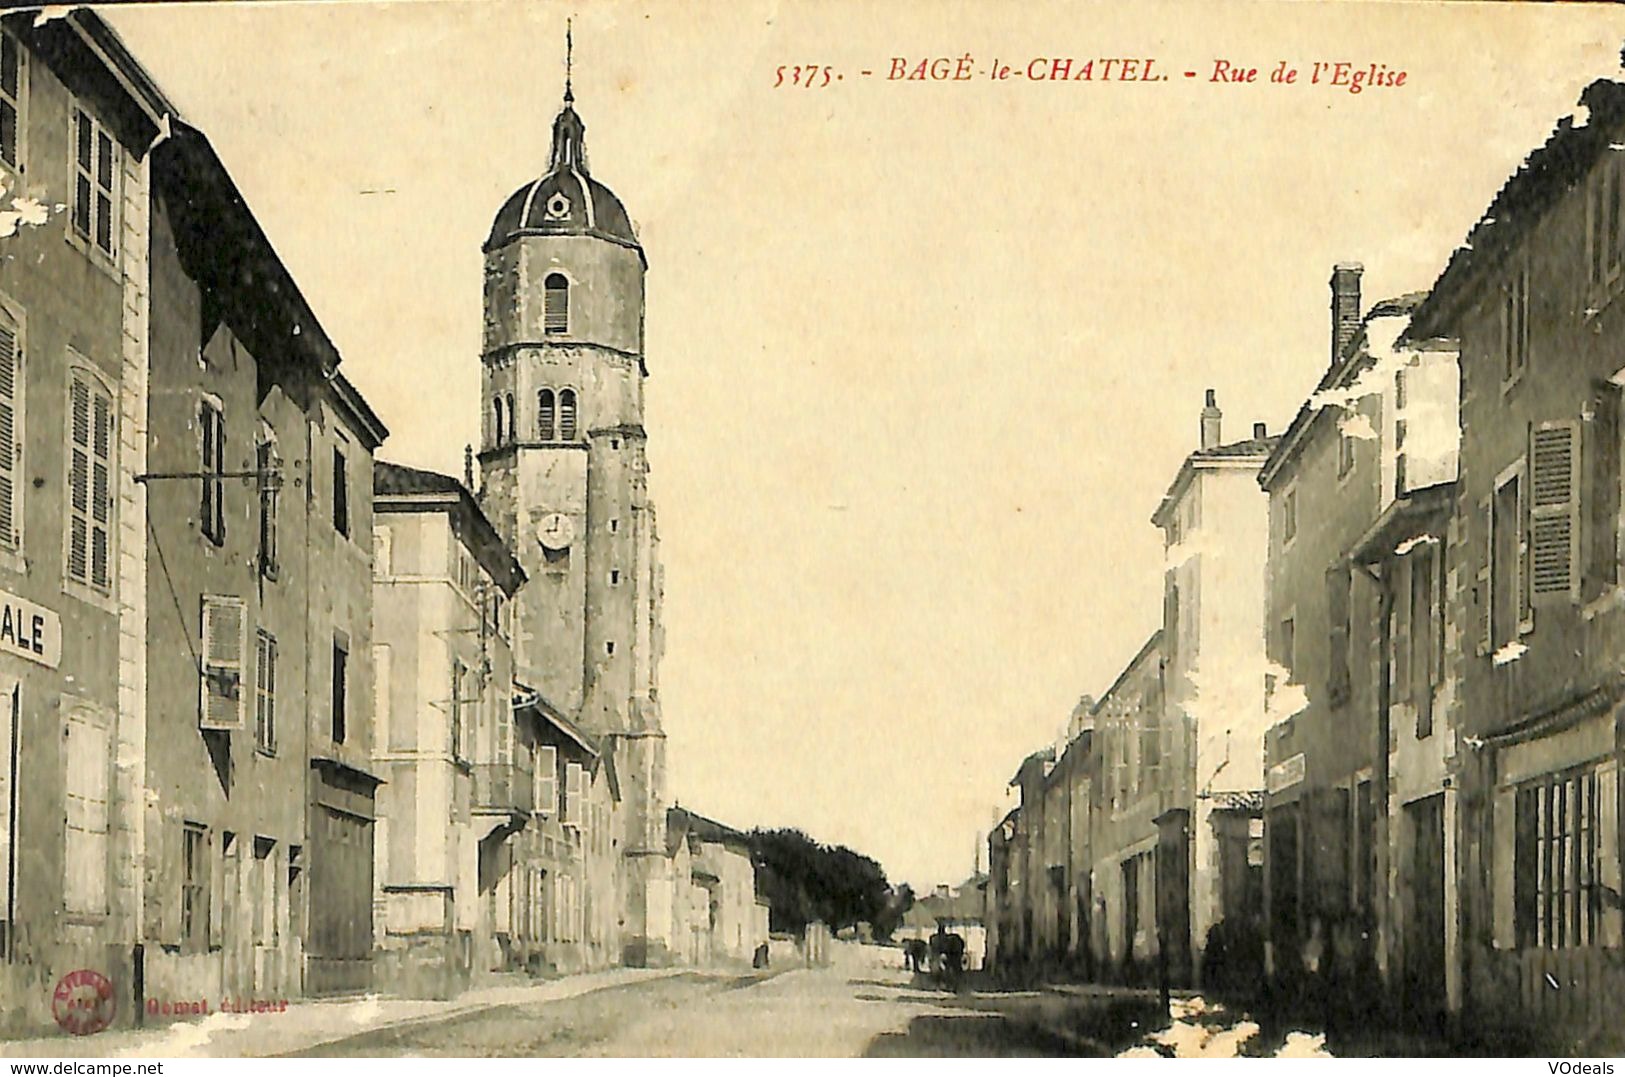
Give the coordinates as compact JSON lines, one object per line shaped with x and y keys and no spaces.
{"x":566,"y":200}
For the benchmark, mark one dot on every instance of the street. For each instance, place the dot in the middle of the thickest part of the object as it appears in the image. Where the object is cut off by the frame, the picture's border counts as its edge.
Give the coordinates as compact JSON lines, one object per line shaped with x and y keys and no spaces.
{"x":851,"y":1010}
{"x":805,"y":1012}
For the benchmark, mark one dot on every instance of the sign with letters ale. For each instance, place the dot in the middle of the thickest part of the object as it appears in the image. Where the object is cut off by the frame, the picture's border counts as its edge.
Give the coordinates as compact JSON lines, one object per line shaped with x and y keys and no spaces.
{"x":30,"y":631}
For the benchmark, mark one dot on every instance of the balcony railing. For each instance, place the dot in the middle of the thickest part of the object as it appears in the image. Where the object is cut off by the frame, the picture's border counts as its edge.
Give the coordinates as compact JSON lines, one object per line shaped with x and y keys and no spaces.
{"x":501,"y":787}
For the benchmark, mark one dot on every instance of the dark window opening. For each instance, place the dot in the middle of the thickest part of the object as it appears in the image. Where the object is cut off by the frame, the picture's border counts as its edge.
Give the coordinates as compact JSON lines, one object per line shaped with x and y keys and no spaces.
{"x":556,"y":304}
{"x":341,"y":662}
{"x":545,"y":412}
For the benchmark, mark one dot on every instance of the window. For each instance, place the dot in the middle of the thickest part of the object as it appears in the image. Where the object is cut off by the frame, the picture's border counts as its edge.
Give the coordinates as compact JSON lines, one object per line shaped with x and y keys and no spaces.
{"x":1289,"y":516}
{"x":614,"y":526}
{"x":1427,"y":631}
{"x":614,"y":577}
{"x":545,"y":414}
{"x":268,"y":467}
{"x":1564,"y":846}
{"x":496,"y":421}
{"x":1604,"y":240}
{"x":85,"y":857}
{"x":609,"y":647}
{"x":194,"y":888}
{"x":546,"y":784}
{"x":1554,"y":508}
{"x":567,"y":415}
{"x":1507,"y":551}
{"x":13,"y":91}
{"x":1150,"y":741}
{"x":265,"y":693}
{"x":341,"y":662}
{"x":341,"y":493}
{"x":456,"y":732}
{"x":1345,"y":452}
{"x":11,"y":426}
{"x":1289,"y":645}
{"x":96,"y":165}
{"x":556,"y":304}
{"x":225,"y":625}
{"x":1338,"y":582}
{"x":1515,"y":323}
{"x":512,"y":430}
{"x":212,"y":424}
{"x":90,"y":476}
{"x":1365,"y":831}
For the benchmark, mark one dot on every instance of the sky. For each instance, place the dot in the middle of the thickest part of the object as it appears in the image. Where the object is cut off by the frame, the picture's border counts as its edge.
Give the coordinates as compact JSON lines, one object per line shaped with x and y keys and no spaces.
{"x":923,"y":355}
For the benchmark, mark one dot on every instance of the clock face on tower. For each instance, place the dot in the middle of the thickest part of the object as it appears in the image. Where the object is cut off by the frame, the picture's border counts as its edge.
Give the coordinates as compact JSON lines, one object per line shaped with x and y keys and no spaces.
{"x":556,"y":531}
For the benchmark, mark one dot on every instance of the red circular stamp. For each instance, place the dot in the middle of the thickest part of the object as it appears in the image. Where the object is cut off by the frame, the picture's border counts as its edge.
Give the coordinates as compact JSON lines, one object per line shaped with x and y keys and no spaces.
{"x":83,"y":1002}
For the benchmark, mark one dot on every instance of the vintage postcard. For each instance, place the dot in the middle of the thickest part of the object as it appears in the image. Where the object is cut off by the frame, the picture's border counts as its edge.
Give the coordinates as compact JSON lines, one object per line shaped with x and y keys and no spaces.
{"x":773,"y":528}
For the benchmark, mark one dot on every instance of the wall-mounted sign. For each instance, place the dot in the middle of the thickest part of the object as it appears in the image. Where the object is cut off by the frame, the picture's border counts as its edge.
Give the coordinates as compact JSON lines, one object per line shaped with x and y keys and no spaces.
{"x":1285,"y":774}
{"x":30,"y":631}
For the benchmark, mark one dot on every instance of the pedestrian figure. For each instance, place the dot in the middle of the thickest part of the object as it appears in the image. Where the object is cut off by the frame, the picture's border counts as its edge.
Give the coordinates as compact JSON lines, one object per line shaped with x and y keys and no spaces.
{"x":947,"y":956}
{"x":914,"y":955}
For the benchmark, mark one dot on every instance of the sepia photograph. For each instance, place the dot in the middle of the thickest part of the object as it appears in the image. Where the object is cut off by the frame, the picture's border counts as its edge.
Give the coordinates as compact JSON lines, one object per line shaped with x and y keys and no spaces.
{"x":897,"y":530}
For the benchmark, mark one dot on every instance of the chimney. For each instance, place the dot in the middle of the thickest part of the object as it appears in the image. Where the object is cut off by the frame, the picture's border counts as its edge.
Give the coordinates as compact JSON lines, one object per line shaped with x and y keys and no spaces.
{"x":1260,"y":432}
{"x":1210,"y":422}
{"x":1345,"y":305}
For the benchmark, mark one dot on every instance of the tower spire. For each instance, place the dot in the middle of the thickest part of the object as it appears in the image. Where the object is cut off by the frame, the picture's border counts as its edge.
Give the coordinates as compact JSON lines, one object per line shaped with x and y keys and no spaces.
{"x":569,"y":57}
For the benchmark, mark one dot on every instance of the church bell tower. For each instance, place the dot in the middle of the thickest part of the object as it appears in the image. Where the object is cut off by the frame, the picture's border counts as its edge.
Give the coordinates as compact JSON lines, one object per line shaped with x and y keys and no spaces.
{"x":565,"y":482}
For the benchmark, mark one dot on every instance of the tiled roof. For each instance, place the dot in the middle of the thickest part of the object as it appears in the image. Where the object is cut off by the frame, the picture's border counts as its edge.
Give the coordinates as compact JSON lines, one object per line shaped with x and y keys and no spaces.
{"x":681,"y":820}
{"x":1250,"y":447}
{"x":1545,"y":176}
{"x":399,"y":481}
{"x":391,"y":478}
{"x":1239,"y":800}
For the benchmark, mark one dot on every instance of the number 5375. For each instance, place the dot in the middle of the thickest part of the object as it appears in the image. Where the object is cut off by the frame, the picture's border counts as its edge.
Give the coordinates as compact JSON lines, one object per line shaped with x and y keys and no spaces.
{"x":808,"y":76}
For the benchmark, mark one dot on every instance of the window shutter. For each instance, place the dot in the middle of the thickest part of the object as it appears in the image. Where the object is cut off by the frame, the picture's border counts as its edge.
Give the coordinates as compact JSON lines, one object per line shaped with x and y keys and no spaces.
{"x":101,"y":491}
{"x":225,"y":625}
{"x":86,"y":812}
{"x":547,"y":780}
{"x":79,"y":479}
{"x":573,"y":790}
{"x":215,"y":874}
{"x":11,"y":447}
{"x":1485,"y":589}
{"x":1601,"y":498}
{"x":1554,"y":504}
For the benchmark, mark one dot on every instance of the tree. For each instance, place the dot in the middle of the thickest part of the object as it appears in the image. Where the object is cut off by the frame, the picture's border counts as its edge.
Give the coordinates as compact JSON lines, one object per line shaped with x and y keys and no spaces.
{"x":804,"y":881}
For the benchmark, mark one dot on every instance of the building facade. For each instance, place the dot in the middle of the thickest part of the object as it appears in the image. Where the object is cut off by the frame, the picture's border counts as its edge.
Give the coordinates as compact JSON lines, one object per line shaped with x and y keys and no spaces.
{"x":1209,"y":746}
{"x":459,"y":779}
{"x":77,"y":122}
{"x":1361,"y":491}
{"x":1128,"y":721}
{"x":259,"y":601}
{"x":1531,"y":817}
{"x":716,"y":918}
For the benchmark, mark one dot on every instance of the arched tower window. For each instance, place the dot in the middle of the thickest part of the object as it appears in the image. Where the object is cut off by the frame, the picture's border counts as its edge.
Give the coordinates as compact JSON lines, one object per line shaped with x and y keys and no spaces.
{"x":544,"y":415}
{"x":496,"y":422}
{"x":513,"y":426}
{"x":567,"y":414}
{"x":556,"y":304}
